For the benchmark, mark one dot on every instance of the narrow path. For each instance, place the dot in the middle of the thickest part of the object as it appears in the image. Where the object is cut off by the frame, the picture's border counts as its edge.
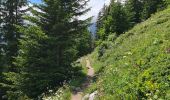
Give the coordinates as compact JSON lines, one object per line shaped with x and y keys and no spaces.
{"x":78,"y":95}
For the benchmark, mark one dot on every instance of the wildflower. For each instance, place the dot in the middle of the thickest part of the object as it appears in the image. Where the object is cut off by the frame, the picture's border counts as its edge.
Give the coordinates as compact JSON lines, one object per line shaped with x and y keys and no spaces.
{"x":50,"y":90}
{"x":148,"y":94}
{"x":129,"y":53}
{"x":155,"y":97}
{"x":124,"y":56}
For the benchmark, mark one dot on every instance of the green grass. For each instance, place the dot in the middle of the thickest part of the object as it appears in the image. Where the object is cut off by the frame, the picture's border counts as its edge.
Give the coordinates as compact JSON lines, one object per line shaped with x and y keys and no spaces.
{"x":65,"y":92}
{"x":83,"y":64}
{"x":135,"y":66}
{"x":62,"y":93}
{"x":78,"y":80}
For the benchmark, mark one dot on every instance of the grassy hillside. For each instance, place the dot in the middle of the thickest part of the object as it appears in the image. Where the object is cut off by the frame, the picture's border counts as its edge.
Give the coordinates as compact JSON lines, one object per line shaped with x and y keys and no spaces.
{"x":135,"y":66}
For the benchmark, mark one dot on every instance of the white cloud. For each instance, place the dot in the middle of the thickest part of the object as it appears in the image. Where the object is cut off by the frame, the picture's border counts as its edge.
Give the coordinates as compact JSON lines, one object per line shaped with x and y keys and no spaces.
{"x":96,"y":7}
{"x":107,"y":2}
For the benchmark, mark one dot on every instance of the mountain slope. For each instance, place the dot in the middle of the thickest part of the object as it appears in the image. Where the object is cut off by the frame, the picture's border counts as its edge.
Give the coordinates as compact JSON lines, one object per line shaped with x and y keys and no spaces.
{"x":135,"y":66}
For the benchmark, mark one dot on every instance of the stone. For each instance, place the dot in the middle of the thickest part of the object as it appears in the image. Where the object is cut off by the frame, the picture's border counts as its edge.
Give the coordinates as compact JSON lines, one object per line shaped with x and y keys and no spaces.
{"x":93,"y":95}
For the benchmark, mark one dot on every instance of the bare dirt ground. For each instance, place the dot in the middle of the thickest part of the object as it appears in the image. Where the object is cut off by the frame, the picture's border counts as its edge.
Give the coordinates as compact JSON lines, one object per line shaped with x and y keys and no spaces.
{"x":78,"y":94}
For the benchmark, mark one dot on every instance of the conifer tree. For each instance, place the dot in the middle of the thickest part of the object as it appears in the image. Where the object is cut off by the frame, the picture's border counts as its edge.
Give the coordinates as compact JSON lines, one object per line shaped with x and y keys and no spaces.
{"x":133,"y":9}
{"x":118,"y":21}
{"x":84,"y":43}
{"x":25,"y":81}
{"x":1,"y":34}
{"x":46,"y":53}
{"x":114,"y":22}
{"x":12,"y":15}
{"x":152,"y":6}
{"x":62,"y":25}
{"x":102,"y":16}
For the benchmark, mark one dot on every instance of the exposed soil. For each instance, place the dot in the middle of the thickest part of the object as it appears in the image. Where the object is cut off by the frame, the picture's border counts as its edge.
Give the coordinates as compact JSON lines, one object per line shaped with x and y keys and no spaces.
{"x":78,"y":93}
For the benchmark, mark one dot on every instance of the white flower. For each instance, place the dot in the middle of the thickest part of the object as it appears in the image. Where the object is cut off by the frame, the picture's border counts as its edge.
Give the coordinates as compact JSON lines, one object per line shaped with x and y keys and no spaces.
{"x":155,"y":97}
{"x":129,"y":53}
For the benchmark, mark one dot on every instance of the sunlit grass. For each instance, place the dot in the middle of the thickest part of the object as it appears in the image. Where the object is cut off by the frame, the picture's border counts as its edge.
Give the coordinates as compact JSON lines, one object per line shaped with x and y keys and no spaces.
{"x":135,"y":65}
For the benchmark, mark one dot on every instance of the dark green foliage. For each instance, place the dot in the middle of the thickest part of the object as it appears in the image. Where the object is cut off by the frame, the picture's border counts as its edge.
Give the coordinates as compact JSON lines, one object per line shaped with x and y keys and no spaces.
{"x":54,"y":39}
{"x":102,"y":16}
{"x":135,"y":66}
{"x":12,"y":15}
{"x":102,"y":49}
{"x":39,"y":55}
{"x":1,"y":38}
{"x":28,"y":68}
{"x":133,"y":9}
{"x":105,"y":45}
{"x":118,"y":18}
{"x":32,"y":55}
{"x":152,"y":6}
{"x":84,"y":43}
{"x":167,"y":2}
{"x":60,"y":25}
{"x":114,"y":21}
{"x":101,"y":23}
{"x":1,"y":69}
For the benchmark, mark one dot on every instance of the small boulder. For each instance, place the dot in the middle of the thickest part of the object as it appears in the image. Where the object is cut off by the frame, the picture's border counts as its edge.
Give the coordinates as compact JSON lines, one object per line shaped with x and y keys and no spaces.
{"x":93,"y":95}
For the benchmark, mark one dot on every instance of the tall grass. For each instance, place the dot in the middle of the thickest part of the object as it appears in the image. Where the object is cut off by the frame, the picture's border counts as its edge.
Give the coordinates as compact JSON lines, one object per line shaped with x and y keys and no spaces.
{"x":135,"y":66}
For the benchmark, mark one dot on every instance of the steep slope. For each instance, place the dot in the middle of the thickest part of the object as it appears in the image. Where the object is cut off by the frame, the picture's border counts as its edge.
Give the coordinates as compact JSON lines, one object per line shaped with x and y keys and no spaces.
{"x":135,"y":66}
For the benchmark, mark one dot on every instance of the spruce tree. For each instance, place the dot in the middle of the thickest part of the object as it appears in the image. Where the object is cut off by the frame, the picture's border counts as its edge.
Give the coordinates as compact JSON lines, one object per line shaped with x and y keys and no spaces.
{"x":1,"y":34}
{"x":62,"y":25}
{"x":84,"y":43}
{"x":12,"y":15}
{"x":46,"y":53}
{"x":118,"y":21}
{"x":102,"y":16}
{"x":28,"y":78}
{"x":152,"y":6}
{"x":133,"y":9}
{"x":115,"y":22}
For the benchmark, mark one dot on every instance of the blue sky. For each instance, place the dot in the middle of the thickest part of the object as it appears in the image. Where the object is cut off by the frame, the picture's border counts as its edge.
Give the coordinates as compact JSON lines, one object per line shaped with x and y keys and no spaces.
{"x":95,"y":4}
{"x":35,"y":1}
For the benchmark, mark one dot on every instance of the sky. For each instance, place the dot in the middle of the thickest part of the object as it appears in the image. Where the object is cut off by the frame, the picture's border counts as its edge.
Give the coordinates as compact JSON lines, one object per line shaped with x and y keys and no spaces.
{"x":35,"y":1}
{"x":96,"y":7}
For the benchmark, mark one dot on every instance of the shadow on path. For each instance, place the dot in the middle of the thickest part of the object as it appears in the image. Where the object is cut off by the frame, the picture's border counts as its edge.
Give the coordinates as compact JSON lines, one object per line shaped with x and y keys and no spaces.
{"x":77,"y":93}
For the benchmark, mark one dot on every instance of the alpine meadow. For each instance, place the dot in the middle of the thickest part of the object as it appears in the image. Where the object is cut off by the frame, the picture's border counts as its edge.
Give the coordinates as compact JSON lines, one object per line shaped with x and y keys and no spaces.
{"x":49,"y":52}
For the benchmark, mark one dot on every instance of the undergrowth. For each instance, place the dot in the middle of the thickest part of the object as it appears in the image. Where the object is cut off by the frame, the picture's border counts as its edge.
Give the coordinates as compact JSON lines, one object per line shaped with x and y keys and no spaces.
{"x":65,"y":92}
{"x":135,"y":66}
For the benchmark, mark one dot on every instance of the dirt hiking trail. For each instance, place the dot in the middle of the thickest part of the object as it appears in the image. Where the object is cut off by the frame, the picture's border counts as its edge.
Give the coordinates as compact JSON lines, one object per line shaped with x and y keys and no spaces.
{"x":78,"y":93}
